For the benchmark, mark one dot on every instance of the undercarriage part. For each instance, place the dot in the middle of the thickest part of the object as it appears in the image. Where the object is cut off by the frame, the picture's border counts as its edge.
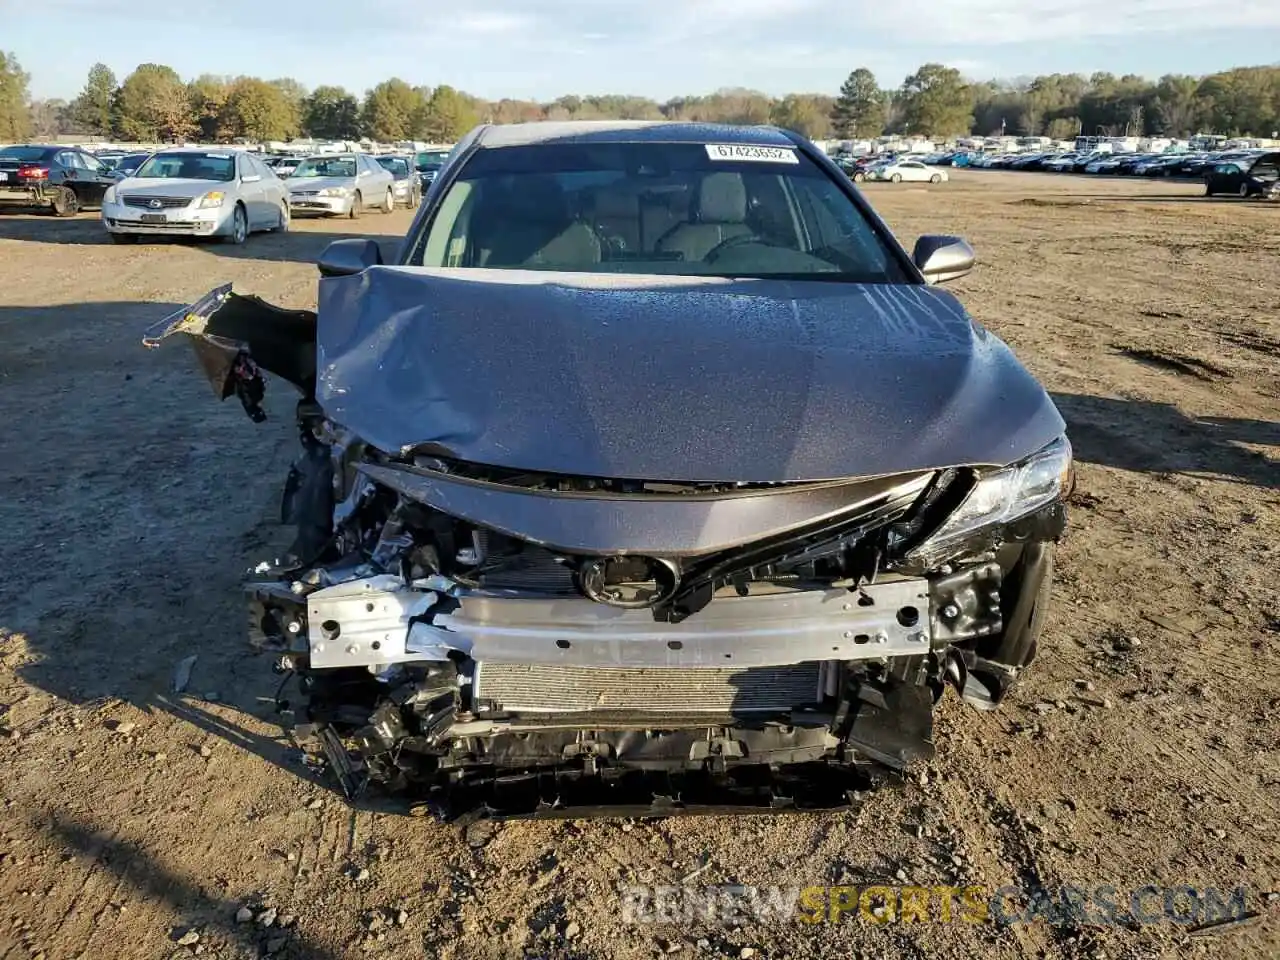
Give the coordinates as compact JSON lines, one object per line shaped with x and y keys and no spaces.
{"x":583,"y":773}
{"x":307,"y":500}
{"x":277,"y":618}
{"x":641,"y":793}
{"x":406,"y":734}
{"x":353,"y":784}
{"x":996,"y":661}
{"x":966,"y":604}
{"x":892,"y":724}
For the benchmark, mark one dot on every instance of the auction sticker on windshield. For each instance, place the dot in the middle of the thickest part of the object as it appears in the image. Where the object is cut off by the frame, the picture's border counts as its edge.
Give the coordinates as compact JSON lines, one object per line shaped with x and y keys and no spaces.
{"x":746,"y":151}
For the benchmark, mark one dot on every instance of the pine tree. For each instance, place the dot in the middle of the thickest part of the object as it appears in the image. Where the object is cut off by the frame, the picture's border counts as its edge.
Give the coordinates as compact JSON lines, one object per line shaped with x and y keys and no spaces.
{"x":91,"y":111}
{"x":859,"y":111}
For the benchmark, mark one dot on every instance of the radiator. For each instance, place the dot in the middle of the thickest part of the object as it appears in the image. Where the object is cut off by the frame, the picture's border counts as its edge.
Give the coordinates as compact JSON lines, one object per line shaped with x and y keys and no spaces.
{"x":547,"y":688}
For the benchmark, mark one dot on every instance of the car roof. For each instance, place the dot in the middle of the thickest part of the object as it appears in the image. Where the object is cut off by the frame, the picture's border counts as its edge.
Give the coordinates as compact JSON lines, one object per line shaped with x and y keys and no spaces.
{"x":626,"y":131}
{"x":199,"y":150}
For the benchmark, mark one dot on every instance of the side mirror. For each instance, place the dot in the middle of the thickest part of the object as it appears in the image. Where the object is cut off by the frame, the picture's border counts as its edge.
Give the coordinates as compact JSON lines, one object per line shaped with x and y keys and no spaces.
{"x":941,"y":258}
{"x":251,"y":178}
{"x":343,"y":258}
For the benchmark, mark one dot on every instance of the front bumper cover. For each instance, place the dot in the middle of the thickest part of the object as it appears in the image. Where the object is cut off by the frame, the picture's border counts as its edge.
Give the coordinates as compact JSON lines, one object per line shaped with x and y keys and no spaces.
{"x":183,"y":221}
{"x":319,"y":205}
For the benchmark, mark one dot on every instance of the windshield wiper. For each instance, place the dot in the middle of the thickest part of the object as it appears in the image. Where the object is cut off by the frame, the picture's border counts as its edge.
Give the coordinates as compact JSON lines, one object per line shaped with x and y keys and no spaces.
{"x":822,"y":277}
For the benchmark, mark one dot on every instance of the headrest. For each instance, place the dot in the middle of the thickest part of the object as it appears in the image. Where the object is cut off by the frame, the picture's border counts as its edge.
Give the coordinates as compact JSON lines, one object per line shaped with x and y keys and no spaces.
{"x":722,"y":198}
{"x":617,"y":203}
{"x":538,"y":198}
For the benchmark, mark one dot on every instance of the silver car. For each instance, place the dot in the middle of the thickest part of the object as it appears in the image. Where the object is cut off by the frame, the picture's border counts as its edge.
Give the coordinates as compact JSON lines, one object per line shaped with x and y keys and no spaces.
{"x":196,"y":193}
{"x":345,"y":184}
{"x":408,"y":185}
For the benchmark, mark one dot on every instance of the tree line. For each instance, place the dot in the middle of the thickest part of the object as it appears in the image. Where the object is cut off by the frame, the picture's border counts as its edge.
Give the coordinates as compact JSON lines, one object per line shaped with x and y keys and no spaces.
{"x":153,"y":103}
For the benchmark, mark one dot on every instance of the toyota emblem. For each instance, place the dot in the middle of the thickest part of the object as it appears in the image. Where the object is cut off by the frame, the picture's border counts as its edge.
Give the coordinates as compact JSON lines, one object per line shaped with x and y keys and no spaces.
{"x":155,"y":204}
{"x":629,"y":581}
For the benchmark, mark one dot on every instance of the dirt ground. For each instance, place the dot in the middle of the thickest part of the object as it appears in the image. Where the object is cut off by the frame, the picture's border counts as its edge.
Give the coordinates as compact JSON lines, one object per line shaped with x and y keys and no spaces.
{"x":138,"y":823}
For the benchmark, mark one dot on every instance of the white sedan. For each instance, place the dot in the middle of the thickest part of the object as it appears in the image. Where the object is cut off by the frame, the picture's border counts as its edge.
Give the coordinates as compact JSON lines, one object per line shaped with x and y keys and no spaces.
{"x":196,"y":193}
{"x":911,"y":170}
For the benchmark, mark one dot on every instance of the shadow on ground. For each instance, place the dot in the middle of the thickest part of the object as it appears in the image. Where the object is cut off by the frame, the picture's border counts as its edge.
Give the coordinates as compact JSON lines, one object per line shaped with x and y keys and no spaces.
{"x":96,"y":847}
{"x":298,"y":245}
{"x":1158,"y":438}
{"x":1157,"y":198}
{"x":155,"y":498}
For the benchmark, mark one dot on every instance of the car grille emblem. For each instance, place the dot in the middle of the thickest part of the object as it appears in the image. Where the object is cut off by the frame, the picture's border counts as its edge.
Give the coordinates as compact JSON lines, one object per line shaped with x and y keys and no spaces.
{"x":629,"y":581}
{"x":155,"y":204}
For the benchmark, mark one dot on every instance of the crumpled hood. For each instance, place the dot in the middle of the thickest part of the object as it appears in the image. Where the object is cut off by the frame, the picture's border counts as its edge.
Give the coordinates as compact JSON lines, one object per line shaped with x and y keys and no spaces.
{"x":672,"y":378}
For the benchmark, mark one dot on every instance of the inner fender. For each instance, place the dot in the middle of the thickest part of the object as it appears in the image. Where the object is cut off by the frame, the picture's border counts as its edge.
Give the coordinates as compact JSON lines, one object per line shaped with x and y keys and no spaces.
{"x":224,"y":326}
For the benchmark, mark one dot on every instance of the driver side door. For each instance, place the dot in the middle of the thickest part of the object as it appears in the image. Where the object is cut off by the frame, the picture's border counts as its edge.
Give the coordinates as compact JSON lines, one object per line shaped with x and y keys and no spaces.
{"x":94,"y":179}
{"x":252,"y":191}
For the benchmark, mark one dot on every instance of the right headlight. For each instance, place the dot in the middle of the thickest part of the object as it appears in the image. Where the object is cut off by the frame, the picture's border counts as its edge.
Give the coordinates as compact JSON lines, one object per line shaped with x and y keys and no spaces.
{"x":334,"y":192}
{"x":1007,"y":494}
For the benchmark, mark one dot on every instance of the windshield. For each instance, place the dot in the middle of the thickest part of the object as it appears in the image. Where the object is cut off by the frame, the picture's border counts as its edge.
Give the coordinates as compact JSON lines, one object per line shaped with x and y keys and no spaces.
{"x":325,"y":167}
{"x":431,"y":159}
{"x":653,"y":208}
{"x":24,"y":154}
{"x":398,"y":166}
{"x":189,"y":166}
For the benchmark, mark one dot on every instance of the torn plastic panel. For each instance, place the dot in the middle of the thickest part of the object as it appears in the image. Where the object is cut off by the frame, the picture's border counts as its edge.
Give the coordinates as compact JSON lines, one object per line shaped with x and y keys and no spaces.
{"x":225,"y":327}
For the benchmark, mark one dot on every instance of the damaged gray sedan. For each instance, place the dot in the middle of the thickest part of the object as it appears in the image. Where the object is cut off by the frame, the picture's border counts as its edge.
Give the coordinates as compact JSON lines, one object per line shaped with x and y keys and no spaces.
{"x":655,"y":476}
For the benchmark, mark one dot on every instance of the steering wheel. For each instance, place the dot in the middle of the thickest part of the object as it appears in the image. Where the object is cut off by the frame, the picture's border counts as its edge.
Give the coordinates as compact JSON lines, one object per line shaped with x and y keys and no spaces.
{"x":743,"y":238}
{"x":610,"y":242}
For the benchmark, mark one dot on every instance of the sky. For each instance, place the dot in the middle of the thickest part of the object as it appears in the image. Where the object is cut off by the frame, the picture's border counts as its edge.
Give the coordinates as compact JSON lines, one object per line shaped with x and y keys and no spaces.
{"x":541,"y":49}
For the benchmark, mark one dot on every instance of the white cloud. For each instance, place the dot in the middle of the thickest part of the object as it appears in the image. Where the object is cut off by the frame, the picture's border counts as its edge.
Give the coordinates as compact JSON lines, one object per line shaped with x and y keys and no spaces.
{"x":997,"y":23}
{"x":660,"y":47}
{"x":489,"y":22}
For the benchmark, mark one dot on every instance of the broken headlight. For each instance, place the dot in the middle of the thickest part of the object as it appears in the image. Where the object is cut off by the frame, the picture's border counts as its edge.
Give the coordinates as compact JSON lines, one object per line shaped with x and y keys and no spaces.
{"x":1007,"y":494}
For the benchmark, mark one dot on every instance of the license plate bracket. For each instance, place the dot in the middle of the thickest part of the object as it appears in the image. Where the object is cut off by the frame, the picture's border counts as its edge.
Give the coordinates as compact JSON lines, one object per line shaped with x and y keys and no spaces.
{"x":154,"y":218}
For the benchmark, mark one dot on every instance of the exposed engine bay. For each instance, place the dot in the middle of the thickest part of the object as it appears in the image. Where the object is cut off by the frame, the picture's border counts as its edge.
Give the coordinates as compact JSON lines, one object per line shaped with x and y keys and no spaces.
{"x":527,"y":642}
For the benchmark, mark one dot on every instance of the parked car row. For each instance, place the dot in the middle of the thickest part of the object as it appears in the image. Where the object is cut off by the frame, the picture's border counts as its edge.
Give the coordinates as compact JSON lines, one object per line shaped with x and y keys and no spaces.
{"x":1244,"y":173}
{"x":202,"y":192}
{"x":890,"y":168}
